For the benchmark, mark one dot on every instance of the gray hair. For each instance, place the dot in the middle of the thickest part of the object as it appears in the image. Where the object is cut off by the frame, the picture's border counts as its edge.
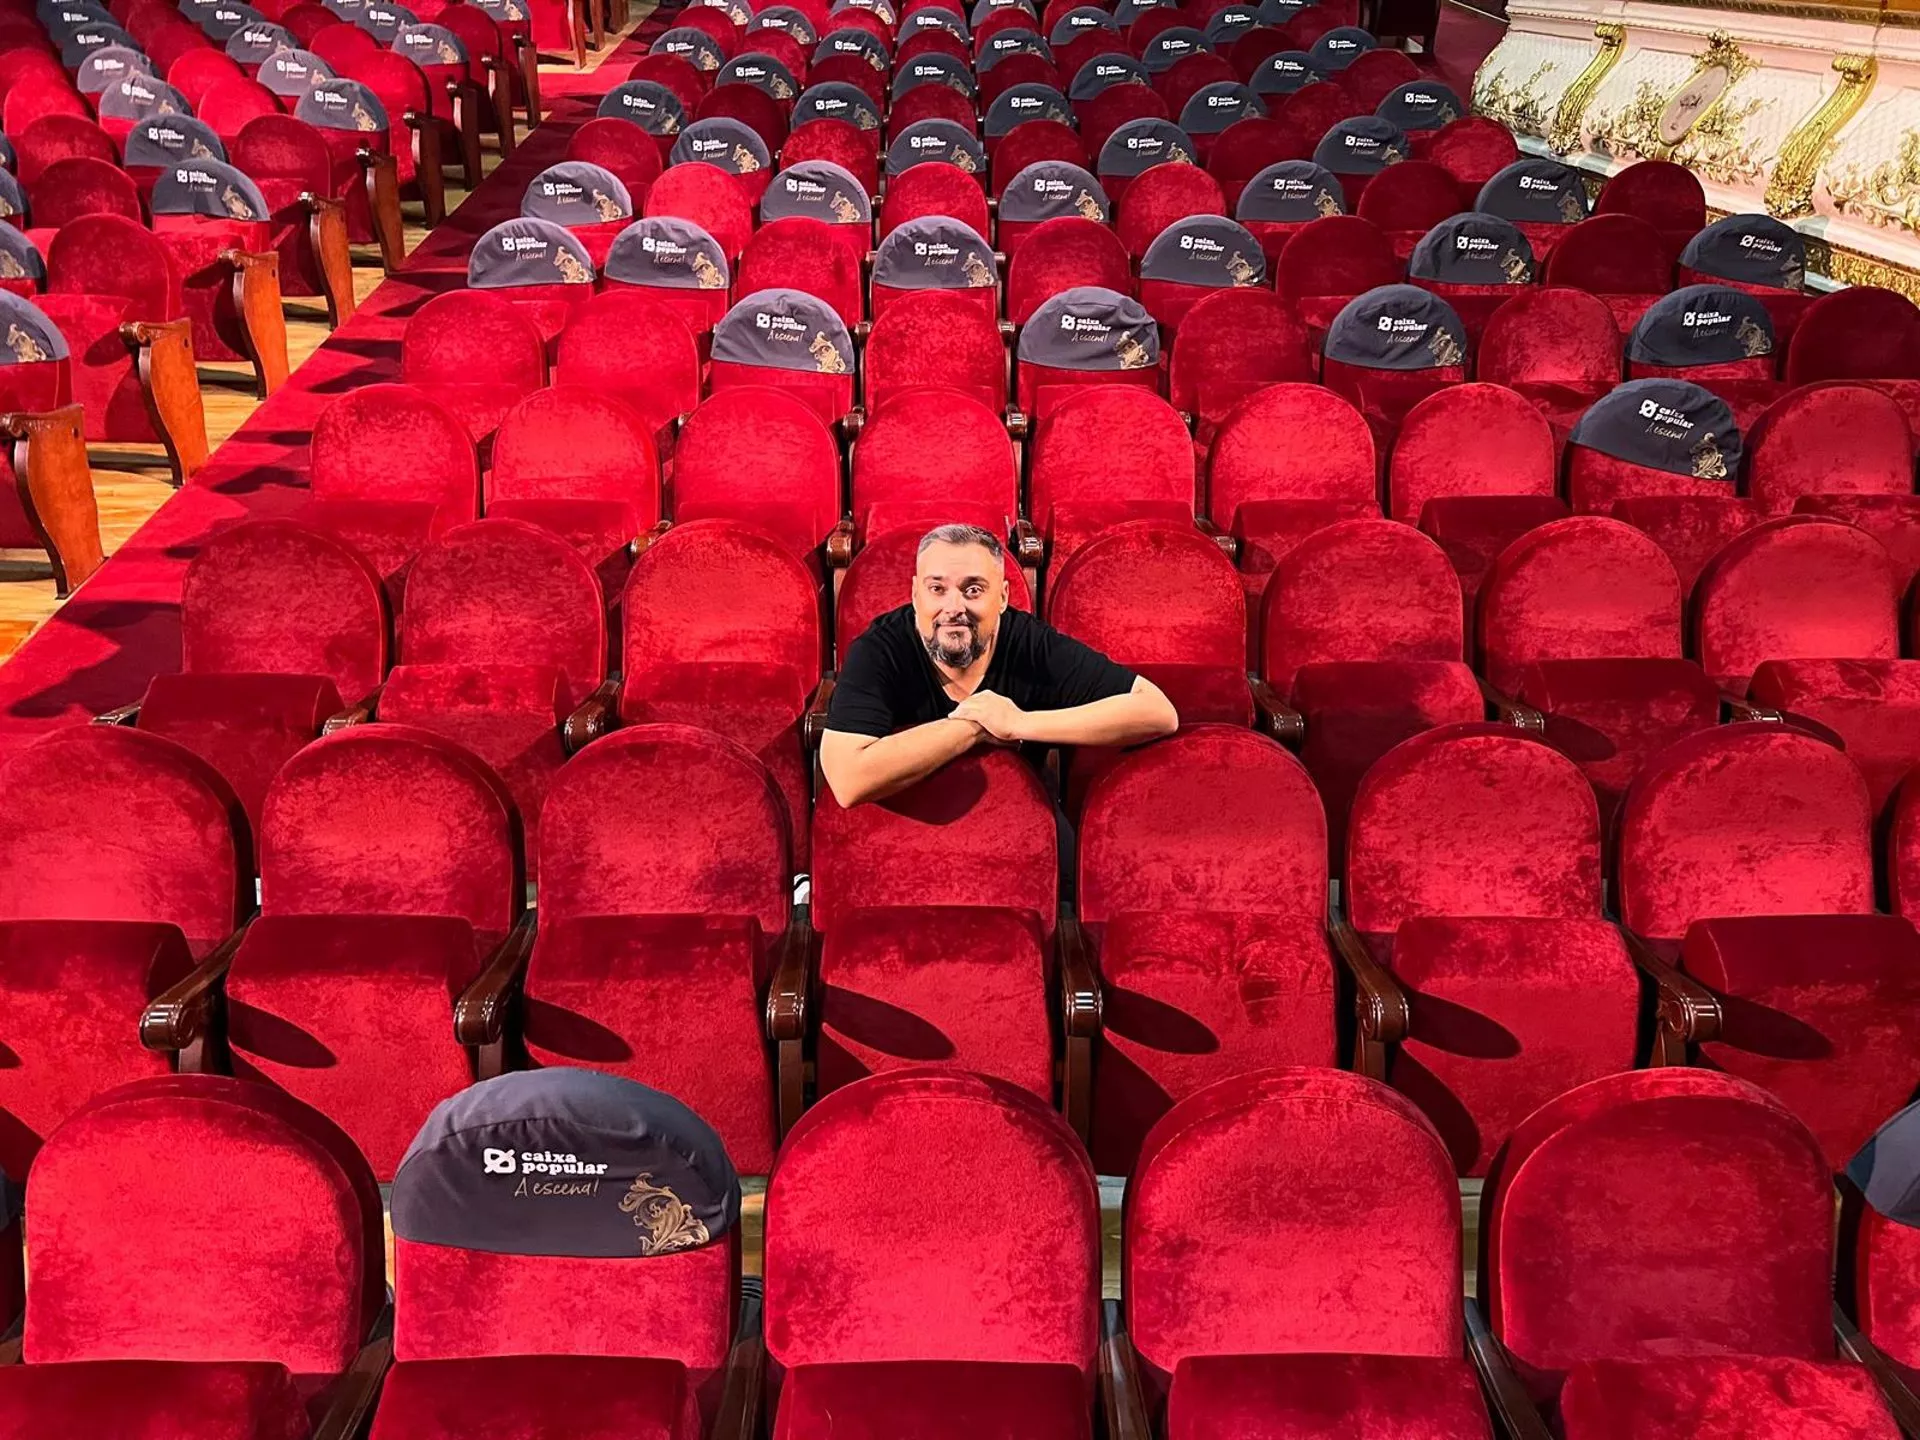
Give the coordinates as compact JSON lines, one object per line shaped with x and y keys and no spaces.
{"x":960,"y":535}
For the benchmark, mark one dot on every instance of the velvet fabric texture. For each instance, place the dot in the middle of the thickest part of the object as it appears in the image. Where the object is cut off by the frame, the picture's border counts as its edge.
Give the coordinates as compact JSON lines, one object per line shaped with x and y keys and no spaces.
{"x":934,"y":1400}
{"x":1893,"y":520}
{"x":1474,"y":529}
{"x":1821,"y":1011}
{"x":1329,"y":262}
{"x":1041,"y":388}
{"x":934,"y":188}
{"x":1730,"y":1397}
{"x":524,"y":1397}
{"x":1596,"y":483}
{"x":1323,"y":1397}
{"x":1202,"y":888}
{"x":1232,"y":344}
{"x":1881,"y":1278}
{"x":1535,"y":850}
{"x":1797,"y":588}
{"x":1870,"y":706}
{"x":286,"y":157}
{"x":723,"y":631}
{"x":708,"y":196}
{"x":475,"y":353}
{"x":82,"y":185}
{"x":1473,"y":149}
{"x":622,"y":148}
{"x":883,"y":572}
{"x":580,"y":465}
{"x":1469,"y":440}
{"x":213,"y":1400}
{"x":926,"y":456}
{"x":54,"y":137}
{"x":1409,"y":199}
{"x":838,"y":142}
{"x":1829,"y":440}
{"x":1507,"y":1014}
{"x":1745,"y":1214}
{"x":1291,"y":1277}
{"x":760,"y":457}
{"x":596,"y":351}
{"x":174,"y":828}
{"x":103,"y":270}
{"x":1286,"y":460}
{"x":1667,"y":196}
{"x":244,"y":725}
{"x":1859,"y":333}
{"x":1744,"y":820}
{"x":290,"y":1258}
{"x":1063,"y":254}
{"x":932,"y":338}
{"x":1691,"y":529}
{"x":667,"y":886}
{"x":1613,"y":255}
{"x":1559,"y":347}
{"x":1580,"y":588}
{"x":801,"y":254}
{"x":899,"y":1155}
{"x":1104,"y":456}
{"x":281,"y":598}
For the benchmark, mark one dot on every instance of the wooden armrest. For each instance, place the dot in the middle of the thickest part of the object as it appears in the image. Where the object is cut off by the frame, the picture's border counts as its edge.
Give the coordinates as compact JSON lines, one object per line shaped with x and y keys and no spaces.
{"x":353,"y":1393}
{"x":840,"y":544}
{"x":1081,"y":1009}
{"x":1028,"y":549}
{"x":480,"y":1014}
{"x":380,"y":174}
{"x":787,"y":1015}
{"x":813,"y":724}
{"x":120,"y":715}
{"x":327,"y":235}
{"x":596,"y":715}
{"x":738,"y":1414}
{"x":647,"y":538}
{"x":359,"y":714}
{"x":1380,"y":1006}
{"x":1742,"y":710}
{"x":1685,"y":1011}
{"x":54,"y":483}
{"x":1120,"y":1395}
{"x":1893,"y":1387}
{"x":182,"y":1018}
{"x":1229,"y":544}
{"x":1273,"y":716}
{"x":1512,"y":712}
{"x":263,"y":321}
{"x":1506,"y":1396}
{"x":850,"y":425}
{"x":170,"y":389}
{"x":1019,"y":423}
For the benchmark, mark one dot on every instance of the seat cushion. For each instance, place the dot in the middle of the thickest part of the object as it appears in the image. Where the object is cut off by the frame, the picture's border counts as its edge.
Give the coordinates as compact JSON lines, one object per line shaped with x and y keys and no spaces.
{"x":1204,"y":693}
{"x":536,"y":1397}
{"x":1268,"y":529}
{"x":1194,"y":997}
{"x":388,"y":533}
{"x":151,"y":1400}
{"x":1473,"y":529}
{"x":1073,"y":524}
{"x":1692,"y":529}
{"x":1872,"y":705}
{"x":601,"y":530}
{"x":1508,"y":1013}
{"x":1822,"y":1010}
{"x":104,"y":382}
{"x":71,"y":996}
{"x":1562,"y":403}
{"x":244,"y":726}
{"x":354,"y":1015}
{"x":1722,"y":1397}
{"x":671,"y":1001}
{"x":934,"y":1400}
{"x":935,"y":986}
{"x":1325,"y":1397}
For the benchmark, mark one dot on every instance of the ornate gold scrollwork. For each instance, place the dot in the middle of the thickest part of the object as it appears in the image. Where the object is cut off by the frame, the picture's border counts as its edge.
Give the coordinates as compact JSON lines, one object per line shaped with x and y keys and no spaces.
{"x":1564,"y":134}
{"x":1790,"y":190}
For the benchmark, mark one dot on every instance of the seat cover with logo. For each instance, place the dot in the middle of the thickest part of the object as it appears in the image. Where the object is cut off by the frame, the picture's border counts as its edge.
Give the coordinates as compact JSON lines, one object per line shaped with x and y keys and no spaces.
{"x":1091,"y":328}
{"x":1702,"y":325}
{"x":723,"y":142}
{"x":1363,"y":145}
{"x":670,"y":253}
{"x":1397,"y":327}
{"x":934,"y":252}
{"x":29,"y":337}
{"x":1049,"y":189}
{"x":940,"y":141}
{"x":1473,"y":249}
{"x":1205,"y":250}
{"x":1291,"y":192}
{"x":1103,"y":72}
{"x":784,"y":330}
{"x":1751,"y":250}
{"x":1020,"y":103}
{"x":694,"y":46}
{"x":1421,"y":105}
{"x":164,"y":139}
{"x":1141,"y":144}
{"x":1535,"y":192}
{"x":647,"y":103}
{"x":527,"y":252}
{"x":1664,"y":424}
{"x":837,"y":100}
{"x":1212,"y":108}
{"x":577,"y":193}
{"x":208,"y":187}
{"x":817,"y":190}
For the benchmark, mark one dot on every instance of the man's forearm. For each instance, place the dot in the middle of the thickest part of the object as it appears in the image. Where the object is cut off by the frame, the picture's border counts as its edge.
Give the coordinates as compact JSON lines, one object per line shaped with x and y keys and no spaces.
{"x":895,"y":762}
{"x":1117,"y":720}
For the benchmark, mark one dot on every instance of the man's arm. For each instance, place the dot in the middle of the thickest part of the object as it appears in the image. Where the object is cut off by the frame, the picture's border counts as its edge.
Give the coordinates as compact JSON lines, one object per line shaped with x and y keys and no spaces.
{"x":1143,"y":713}
{"x":860,"y":768}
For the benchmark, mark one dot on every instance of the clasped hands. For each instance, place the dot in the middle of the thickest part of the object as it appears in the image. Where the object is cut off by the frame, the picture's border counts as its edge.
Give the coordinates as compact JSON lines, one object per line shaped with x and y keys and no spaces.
{"x":997,"y":716}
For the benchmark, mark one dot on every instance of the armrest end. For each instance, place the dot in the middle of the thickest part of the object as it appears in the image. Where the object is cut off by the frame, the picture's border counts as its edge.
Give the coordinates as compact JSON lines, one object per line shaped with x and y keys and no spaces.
{"x":480,"y":1014}
{"x":598,"y":713}
{"x":1273,"y":716}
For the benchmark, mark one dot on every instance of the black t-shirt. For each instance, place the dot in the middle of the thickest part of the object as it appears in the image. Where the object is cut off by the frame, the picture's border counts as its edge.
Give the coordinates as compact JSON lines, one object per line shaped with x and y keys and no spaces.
{"x":889,"y":684}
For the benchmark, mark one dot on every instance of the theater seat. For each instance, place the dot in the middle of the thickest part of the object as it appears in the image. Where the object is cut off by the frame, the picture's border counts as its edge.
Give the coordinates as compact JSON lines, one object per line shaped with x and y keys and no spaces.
{"x":475,"y":353}
{"x":1691,"y":529}
{"x":1391,"y":348}
{"x":1104,"y":456}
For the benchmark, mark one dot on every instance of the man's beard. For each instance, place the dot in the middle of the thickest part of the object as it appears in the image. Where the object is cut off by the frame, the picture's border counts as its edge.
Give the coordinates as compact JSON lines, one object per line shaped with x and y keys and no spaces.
{"x":955,"y":656}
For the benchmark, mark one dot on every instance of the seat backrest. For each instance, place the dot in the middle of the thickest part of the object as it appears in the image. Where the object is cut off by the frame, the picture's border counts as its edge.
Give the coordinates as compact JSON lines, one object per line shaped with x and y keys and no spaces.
{"x":621,"y":147}
{"x":1415,"y":195}
{"x":69,"y":189}
{"x":719,"y":591}
{"x":277,"y":597}
{"x":934,"y":188}
{"x":838,"y":142}
{"x":786,"y":340}
{"x":390,"y":820}
{"x":1731,"y":1253}
{"x":1473,"y":149}
{"x":1469,"y":440}
{"x":1612,"y":255}
{"x":1801,"y":587}
{"x":1215,"y":818}
{"x":871,"y":1256}
{"x":1667,"y":196}
{"x":1376,"y":74}
{"x":570,"y":443}
{"x":1337,"y":255}
{"x":762,"y":457}
{"x":1473,"y":819}
{"x":297,"y":1213}
{"x":932,"y":448}
{"x":111,"y":823}
{"x":1577,"y":589}
{"x":1117,"y":593}
{"x":1829,"y":439}
{"x":1159,"y":196}
{"x":935,"y":338}
{"x":1232,"y":343}
{"x":1289,"y":442}
{"x":708,"y":196}
{"x":600,"y":345}
{"x":802,"y":254}
{"x":230,"y":104}
{"x":1744,"y":820}
{"x":1886,"y":1265}
{"x":1109,"y":444}
{"x":751,"y":106}
{"x":466,"y":337}
{"x":1553,"y":335}
{"x":503,"y":592}
{"x":1859,"y":333}
{"x":1063,"y":254}
{"x":112,"y":255}
{"x":280,"y":147}
{"x":55,"y":137}
{"x":393,"y":442}
{"x":1376,"y":1274}
{"x":1654,"y":436}
{"x":665,"y":820}
{"x":1359,"y":590}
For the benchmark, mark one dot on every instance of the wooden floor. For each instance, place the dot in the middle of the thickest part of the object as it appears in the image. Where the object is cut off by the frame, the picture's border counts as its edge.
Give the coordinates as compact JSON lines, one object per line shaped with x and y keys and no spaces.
{"x":130,"y":482}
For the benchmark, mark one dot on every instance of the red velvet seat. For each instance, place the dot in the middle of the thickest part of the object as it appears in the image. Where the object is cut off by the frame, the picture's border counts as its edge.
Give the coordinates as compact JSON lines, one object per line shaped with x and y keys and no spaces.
{"x":1618,"y":452}
{"x":935,"y":253}
{"x":1559,"y":347}
{"x":596,"y":352}
{"x":952,"y":1330}
{"x":1238,"y":155}
{"x":537,"y":265}
{"x":679,"y":267}
{"x":1121,"y":348}
{"x":808,"y":354}
{"x":1231,"y":344}
{"x":1621,"y":258}
{"x":665,"y":880}
{"x":1159,"y":196}
{"x":1828,"y":439}
{"x":1105,"y":456}
{"x":287,"y":1296}
{"x":1586,"y":1308}
{"x":1859,"y":333}
{"x":933,"y":339}
{"x":1063,"y":254}
{"x":290,"y":161}
{"x":1212,"y":953}
{"x":390,"y":469}
{"x":1875,"y":1282}
{"x":281,"y":626}
{"x":1667,"y":196}
{"x":1112,"y":107}
{"x":1692,"y":529}
{"x":82,"y":185}
{"x":710,"y":198}
{"x":1408,"y":200}
{"x":126,"y":860}
{"x":1473,"y":149}
{"x":475,"y":353}
{"x":959,"y":972}
{"x":623,"y":148}
{"x":839,"y":142}
{"x":722,"y":631}
{"x":760,"y":457}
{"x":934,"y":188}
{"x":929,"y":457}
{"x":1274,"y":1323}
{"x":801,"y":254}
{"x":1031,"y":143}
{"x":1386,"y":379}
{"x":54,"y":137}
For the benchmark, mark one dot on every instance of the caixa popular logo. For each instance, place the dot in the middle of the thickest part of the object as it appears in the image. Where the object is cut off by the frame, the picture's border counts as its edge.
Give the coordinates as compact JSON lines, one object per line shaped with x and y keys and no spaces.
{"x":1025,"y":102}
{"x":253,"y":35}
{"x":522,"y":244}
{"x":708,"y":146}
{"x":536,"y":1162}
{"x":925,"y":142}
{"x":1144,"y":142}
{"x":667,"y":252}
{"x":111,"y":65}
{"x":561,"y":190}
{"x":1223,"y":102}
{"x":1664,"y":415}
{"x":1359,"y":142}
{"x":1762,"y":243}
{"x":1536,"y":182}
{"x":201,"y":178}
{"x":1340,"y":42}
{"x":1700,"y":319}
{"x":1107,"y":72}
{"x":87,"y":42}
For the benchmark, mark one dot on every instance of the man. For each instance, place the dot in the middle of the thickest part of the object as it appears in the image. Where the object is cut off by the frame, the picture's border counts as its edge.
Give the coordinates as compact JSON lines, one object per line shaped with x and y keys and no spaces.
{"x":956,"y":668}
